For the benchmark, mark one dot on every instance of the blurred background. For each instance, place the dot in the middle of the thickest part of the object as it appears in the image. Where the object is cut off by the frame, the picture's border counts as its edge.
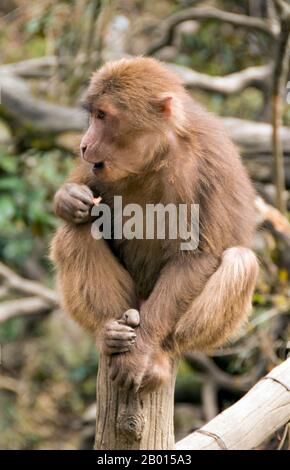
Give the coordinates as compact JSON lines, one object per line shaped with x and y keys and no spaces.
{"x":233,"y":62}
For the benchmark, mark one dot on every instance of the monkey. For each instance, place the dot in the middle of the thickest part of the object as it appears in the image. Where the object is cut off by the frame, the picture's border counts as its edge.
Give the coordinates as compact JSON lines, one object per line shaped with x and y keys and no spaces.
{"x":150,"y":142}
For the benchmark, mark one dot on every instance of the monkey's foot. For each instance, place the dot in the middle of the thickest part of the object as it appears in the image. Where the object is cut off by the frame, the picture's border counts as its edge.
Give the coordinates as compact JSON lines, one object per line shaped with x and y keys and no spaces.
{"x":158,"y":372}
{"x":139,"y":371}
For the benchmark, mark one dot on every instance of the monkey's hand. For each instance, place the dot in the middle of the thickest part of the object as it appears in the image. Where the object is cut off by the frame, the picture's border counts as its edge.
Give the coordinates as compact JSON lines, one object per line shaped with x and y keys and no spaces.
{"x":119,"y":335}
{"x":73,"y":203}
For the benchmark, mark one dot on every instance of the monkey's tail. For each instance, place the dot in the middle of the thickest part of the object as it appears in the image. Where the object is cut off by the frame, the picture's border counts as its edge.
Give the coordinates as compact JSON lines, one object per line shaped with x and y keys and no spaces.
{"x":223,"y":305}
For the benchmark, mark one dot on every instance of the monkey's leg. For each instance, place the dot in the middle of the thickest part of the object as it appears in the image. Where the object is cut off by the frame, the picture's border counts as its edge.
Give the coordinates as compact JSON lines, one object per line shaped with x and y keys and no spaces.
{"x":222,"y":306}
{"x":149,"y":363}
{"x":94,"y":287}
{"x":197,"y":304}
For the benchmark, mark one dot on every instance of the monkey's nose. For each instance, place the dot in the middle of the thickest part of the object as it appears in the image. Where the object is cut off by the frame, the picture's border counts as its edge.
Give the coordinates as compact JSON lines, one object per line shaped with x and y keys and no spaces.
{"x":83,"y":150}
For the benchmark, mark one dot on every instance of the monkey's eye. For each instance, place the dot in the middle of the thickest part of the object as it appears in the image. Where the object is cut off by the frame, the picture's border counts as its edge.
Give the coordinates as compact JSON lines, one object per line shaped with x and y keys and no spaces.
{"x":101,"y":114}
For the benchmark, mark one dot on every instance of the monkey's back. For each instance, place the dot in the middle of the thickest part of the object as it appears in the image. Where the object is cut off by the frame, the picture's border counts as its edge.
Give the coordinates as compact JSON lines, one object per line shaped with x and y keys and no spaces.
{"x":222,"y":189}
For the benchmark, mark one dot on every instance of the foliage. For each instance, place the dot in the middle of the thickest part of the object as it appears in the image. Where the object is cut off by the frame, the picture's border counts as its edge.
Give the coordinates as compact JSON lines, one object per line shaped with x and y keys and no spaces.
{"x":28,"y":182}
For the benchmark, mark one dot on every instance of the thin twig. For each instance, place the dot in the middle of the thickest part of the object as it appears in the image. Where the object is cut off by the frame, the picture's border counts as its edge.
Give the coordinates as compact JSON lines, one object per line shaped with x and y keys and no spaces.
{"x":279,"y":81}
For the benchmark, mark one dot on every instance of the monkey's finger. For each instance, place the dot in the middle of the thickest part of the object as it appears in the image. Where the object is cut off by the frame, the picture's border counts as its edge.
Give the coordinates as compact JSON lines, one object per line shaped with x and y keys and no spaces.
{"x":81,"y":194}
{"x":131,"y":317}
{"x":74,"y":205}
{"x":69,"y":216}
{"x":87,"y":190}
{"x":117,"y":345}
{"x":82,"y":214}
{"x":120,"y":335}
{"x":120,"y":328}
{"x":81,"y":207}
{"x":112,"y":351}
{"x":78,"y":220}
{"x":111,"y":324}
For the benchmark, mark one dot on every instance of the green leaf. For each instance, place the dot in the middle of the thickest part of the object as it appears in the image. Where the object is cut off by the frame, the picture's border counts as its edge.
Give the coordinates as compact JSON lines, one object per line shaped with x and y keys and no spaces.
{"x":7,"y":209}
{"x":8,"y":163}
{"x":11,"y":183}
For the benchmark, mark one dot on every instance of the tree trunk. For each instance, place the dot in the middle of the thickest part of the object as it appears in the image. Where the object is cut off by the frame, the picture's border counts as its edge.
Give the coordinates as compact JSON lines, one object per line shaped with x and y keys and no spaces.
{"x":130,"y":421}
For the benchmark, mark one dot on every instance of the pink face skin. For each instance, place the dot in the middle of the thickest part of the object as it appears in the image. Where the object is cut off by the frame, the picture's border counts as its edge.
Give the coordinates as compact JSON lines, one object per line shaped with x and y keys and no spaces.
{"x":99,"y":144}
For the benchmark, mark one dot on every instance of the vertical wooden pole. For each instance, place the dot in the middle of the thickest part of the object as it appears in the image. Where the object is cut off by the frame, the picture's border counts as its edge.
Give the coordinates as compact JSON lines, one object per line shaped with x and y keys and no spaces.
{"x":130,"y":421}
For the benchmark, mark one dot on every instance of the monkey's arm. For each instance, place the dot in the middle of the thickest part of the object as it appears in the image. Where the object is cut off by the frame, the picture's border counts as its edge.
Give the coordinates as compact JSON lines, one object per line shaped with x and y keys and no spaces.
{"x":94,"y":286}
{"x":96,"y":289}
{"x":200,"y":305}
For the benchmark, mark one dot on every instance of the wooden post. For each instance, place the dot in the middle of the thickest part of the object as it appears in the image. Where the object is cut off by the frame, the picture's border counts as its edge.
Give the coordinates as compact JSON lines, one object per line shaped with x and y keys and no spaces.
{"x":130,"y":421}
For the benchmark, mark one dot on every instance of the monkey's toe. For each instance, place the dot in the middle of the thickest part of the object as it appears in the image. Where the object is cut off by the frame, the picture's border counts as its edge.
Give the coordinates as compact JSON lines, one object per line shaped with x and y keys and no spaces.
{"x":128,"y":380}
{"x":127,"y":370}
{"x":152,"y":381}
{"x":157,"y":374}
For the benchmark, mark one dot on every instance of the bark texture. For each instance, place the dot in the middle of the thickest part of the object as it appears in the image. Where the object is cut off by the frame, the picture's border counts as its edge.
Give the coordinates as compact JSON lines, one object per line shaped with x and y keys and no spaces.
{"x":129,"y":421}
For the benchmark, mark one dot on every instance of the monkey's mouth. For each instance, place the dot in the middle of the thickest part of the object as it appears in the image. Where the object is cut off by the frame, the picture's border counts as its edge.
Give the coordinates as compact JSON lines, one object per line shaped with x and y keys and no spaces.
{"x":98,"y":166}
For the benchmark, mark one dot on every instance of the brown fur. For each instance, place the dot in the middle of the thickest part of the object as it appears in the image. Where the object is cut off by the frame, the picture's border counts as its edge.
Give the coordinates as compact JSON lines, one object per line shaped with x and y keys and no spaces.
{"x":158,"y":145}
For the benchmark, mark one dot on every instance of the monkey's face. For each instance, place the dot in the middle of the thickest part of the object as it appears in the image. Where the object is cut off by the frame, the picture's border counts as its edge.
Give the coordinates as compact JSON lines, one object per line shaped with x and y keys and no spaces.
{"x":117,"y":144}
{"x":134,"y":105}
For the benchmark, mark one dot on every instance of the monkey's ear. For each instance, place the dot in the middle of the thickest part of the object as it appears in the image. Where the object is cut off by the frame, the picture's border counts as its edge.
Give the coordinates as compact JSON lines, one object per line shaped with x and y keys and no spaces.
{"x":165,"y":106}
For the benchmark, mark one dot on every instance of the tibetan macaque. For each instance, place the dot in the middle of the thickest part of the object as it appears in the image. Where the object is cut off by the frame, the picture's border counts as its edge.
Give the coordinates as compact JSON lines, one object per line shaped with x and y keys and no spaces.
{"x":149,"y":142}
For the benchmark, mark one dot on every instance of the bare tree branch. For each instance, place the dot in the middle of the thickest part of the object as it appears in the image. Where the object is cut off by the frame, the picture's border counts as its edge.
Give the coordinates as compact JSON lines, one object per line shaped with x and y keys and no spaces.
{"x":29,"y":287}
{"x":38,"y":115}
{"x":258,"y":77}
{"x":10,"y":384}
{"x":221,"y":378}
{"x":18,"y":102}
{"x":254,"y":137}
{"x":247,"y":423}
{"x":40,"y":67}
{"x":27,"y":306}
{"x":169,"y":24}
{"x":252,"y":76}
{"x":279,"y":80}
